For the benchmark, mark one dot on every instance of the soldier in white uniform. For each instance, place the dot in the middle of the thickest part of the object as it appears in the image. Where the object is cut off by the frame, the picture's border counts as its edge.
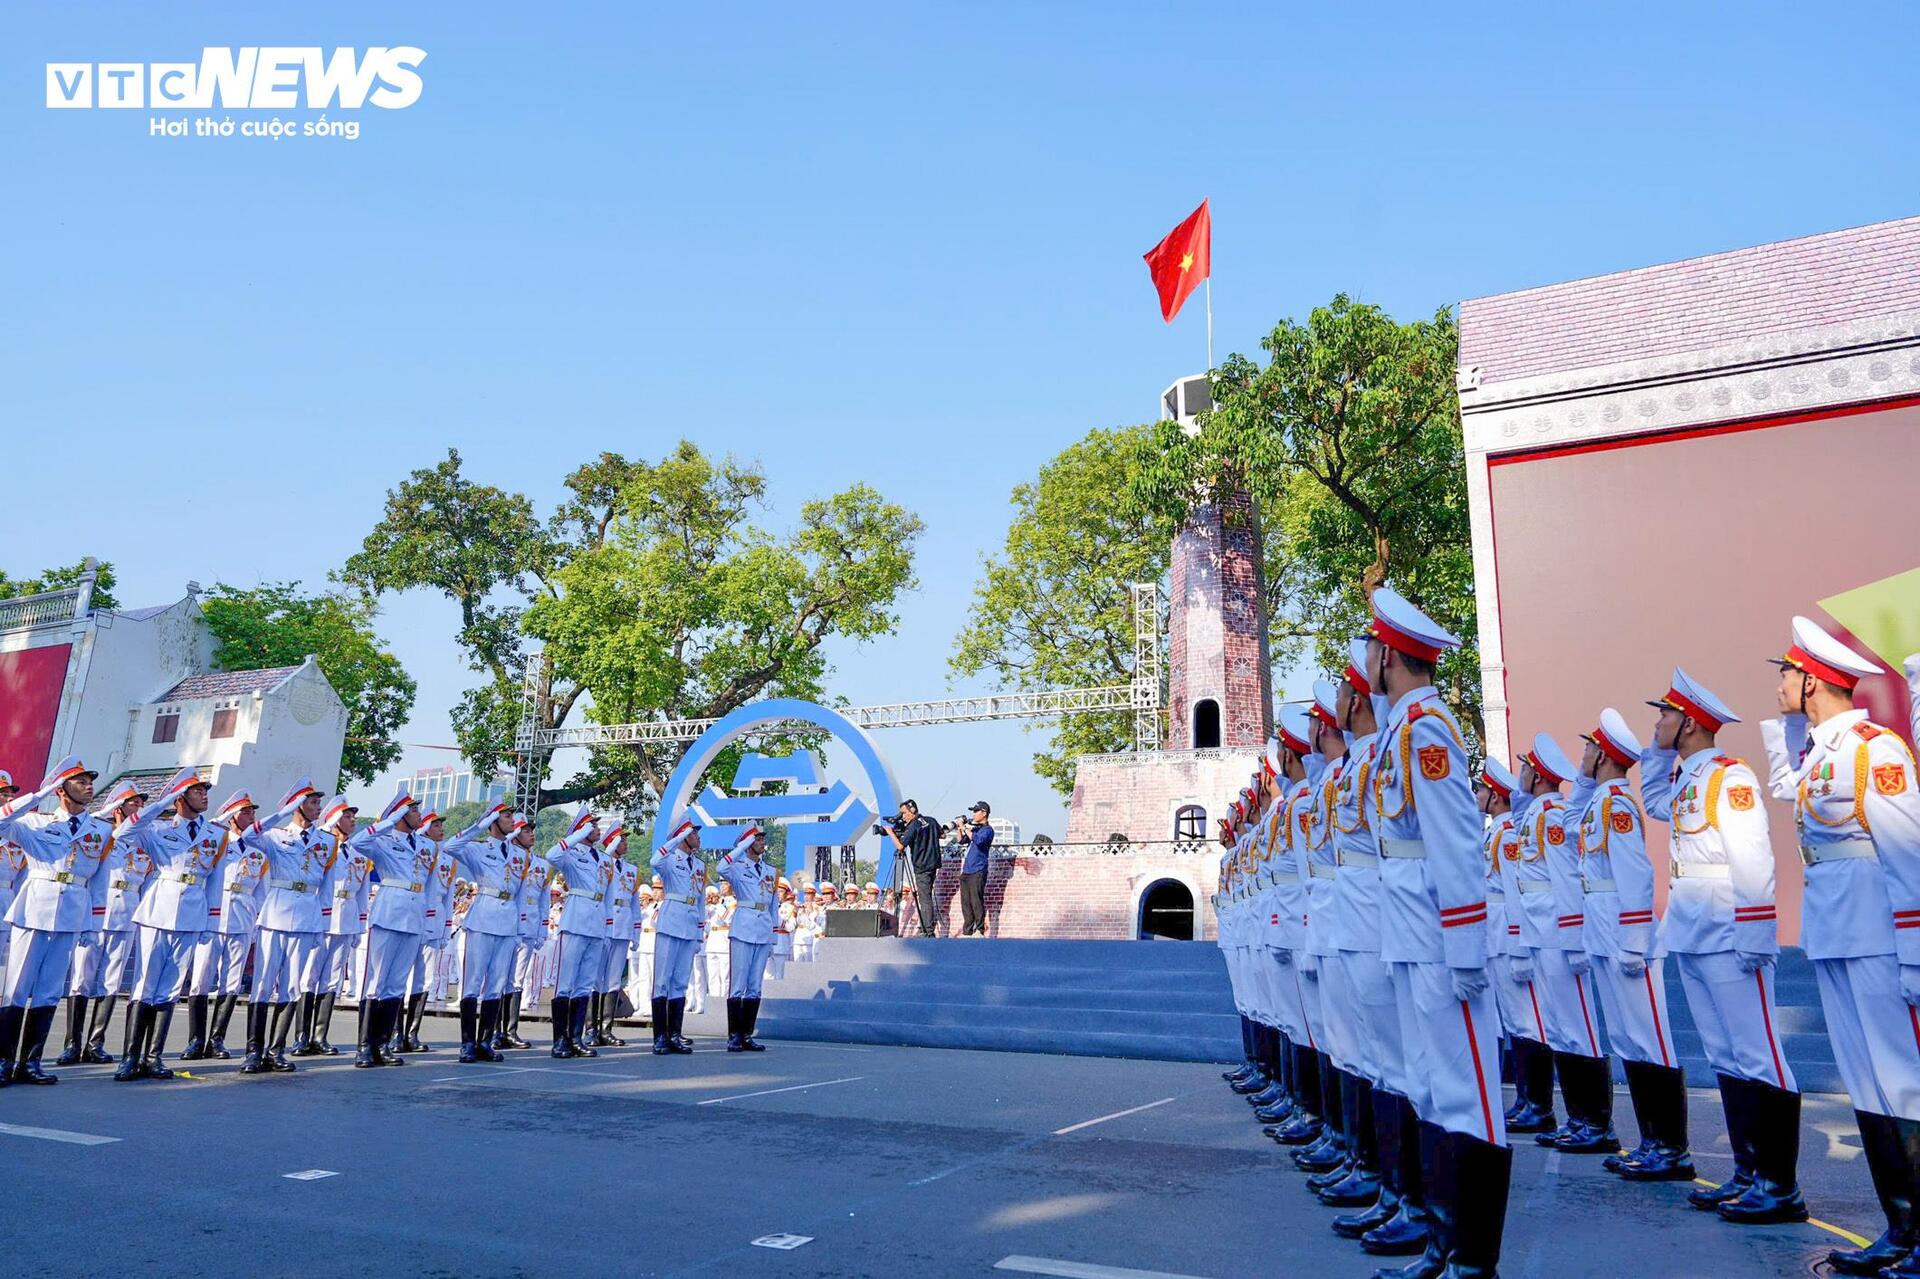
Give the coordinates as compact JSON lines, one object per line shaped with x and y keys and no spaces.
{"x":13,"y":866}
{"x":1510,"y":961}
{"x":128,"y":872}
{"x":65,"y":849}
{"x":621,"y":887}
{"x":677,"y":932}
{"x":1852,"y":784}
{"x":1298,"y":766}
{"x":1627,"y":964}
{"x":395,"y":923}
{"x":1563,"y":970}
{"x":786,"y":920}
{"x":582,"y":940}
{"x":343,"y":914}
{"x":1251,"y":1077}
{"x":1329,"y":1017}
{"x":1720,"y":931}
{"x":290,"y":923}
{"x":533,"y":937}
{"x":492,"y":854}
{"x":751,"y":938}
{"x":1271,"y":961}
{"x":1433,"y":935}
{"x":101,"y":953}
{"x":697,"y":982}
{"x":175,"y":913}
{"x":436,"y":918}
{"x":719,"y":949}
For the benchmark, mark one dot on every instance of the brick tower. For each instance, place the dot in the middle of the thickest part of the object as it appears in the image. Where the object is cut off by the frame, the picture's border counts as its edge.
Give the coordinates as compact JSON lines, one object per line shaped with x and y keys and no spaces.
{"x":1219,"y":685}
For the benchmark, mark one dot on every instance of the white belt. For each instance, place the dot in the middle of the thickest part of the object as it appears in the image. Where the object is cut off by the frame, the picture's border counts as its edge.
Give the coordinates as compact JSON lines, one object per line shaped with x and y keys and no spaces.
{"x":55,"y":876}
{"x":291,"y":885}
{"x":582,"y":893}
{"x":1409,"y":849}
{"x":1362,"y":861}
{"x":1837,"y":851}
{"x":1495,"y":895}
{"x":1596,"y":885}
{"x":503,"y":894}
{"x":1320,"y":870}
{"x":121,"y":885}
{"x":1699,"y":870}
{"x":1532,"y":887}
{"x":676,"y":897}
{"x":186,"y":877}
{"x":619,"y":901}
{"x":1285,"y":877}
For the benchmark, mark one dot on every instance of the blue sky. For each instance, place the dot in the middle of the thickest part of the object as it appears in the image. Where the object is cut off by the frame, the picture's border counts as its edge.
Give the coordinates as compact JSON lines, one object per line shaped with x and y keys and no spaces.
{"x":897,"y":243}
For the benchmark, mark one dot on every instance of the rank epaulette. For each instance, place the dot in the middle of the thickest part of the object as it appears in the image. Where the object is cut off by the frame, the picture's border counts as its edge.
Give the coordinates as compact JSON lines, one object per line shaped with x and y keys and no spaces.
{"x":1868,"y":731}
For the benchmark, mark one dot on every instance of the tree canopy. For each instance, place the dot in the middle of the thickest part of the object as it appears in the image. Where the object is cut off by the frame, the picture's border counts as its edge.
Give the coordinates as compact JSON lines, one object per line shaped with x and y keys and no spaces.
{"x":1349,"y":439}
{"x":654,"y":595}
{"x":275,"y":624}
{"x":55,"y":579}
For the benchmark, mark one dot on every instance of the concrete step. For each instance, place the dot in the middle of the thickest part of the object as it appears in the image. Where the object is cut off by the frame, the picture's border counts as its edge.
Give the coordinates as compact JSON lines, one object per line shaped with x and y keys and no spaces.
{"x":1020,"y":995}
{"x":1109,"y":1043}
{"x":1066,"y":1022}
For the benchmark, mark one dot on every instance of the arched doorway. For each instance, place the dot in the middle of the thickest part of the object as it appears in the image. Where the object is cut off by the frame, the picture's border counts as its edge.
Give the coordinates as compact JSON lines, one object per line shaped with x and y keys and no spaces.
{"x":1166,"y":910}
{"x":1206,"y":724}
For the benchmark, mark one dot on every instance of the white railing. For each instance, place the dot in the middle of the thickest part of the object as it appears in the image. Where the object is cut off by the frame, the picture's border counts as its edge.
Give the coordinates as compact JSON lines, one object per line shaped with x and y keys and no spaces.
{"x":46,"y":609}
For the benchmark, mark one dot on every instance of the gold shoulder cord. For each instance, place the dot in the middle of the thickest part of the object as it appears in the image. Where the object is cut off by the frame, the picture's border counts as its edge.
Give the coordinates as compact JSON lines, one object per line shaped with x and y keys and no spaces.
{"x":1407,"y":800}
{"x":1713,"y":804}
{"x":1861,"y":773}
{"x":1366,"y":773}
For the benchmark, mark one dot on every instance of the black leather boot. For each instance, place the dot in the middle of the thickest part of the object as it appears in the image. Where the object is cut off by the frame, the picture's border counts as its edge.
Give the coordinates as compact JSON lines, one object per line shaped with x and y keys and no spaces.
{"x":733,"y":1027}
{"x":469,"y":1028}
{"x":1408,"y":1231}
{"x":483,"y":1049}
{"x":1639,"y":1084}
{"x":1304,"y":1128}
{"x":1668,"y":1159}
{"x":1361,"y":1185}
{"x":323,"y":1026}
{"x":1774,"y":1196}
{"x":1595,"y":1135}
{"x":133,"y":1050}
{"x":416,"y":1016}
{"x":1907,"y":1131}
{"x":1332,"y":1150}
{"x":1385,"y":1119}
{"x":561,"y":1010}
{"x":1477,"y":1175}
{"x":1707,"y":1199}
{"x":1533,"y":1066}
{"x":577,"y":1008}
{"x":364,"y":1057}
{"x":1245,"y":1068}
{"x":390,"y":1012}
{"x":752,"y":1008}
{"x":255,"y":1062}
{"x":155,"y":1066}
{"x":282,"y":1023}
{"x":1893,"y":1184}
{"x":609,"y":1014}
{"x":11,"y":1020}
{"x":196,"y":1049}
{"x":676,"y":1018}
{"x":662,"y":1044}
{"x":303,"y":1011}
{"x":222,"y":1018}
{"x":97,"y":1022}
{"x":513,"y":1039}
{"x":590,"y":1034}
{"x":35,"y":1028}
{"x":1432,"y":1262}
{"x":72,"y":1047}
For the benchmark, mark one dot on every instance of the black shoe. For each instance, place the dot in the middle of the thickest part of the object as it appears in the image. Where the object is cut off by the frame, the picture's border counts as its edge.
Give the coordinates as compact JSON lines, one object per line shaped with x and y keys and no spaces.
{"x":322,"y":1026}
{"x":133,"y":1051}
{"x":1890,"y":1163}
{"x":416,"y":1017}
{"x":1360,"y":1187}
{"x":749,"y":1021}
{"x":1435,"y":1207}
{"x":589,"y":1036}
{"x":1774,"y":1135}
{"x":1477,"y":1177}
{"x":677,"y":1044}
{"x":101,"y":1018}
{"x":661,"y":1044}
{"x":364,"y":1057}
{"x":510,"y":1030}
{"x":1276,"y":1114}
{"x":1253,"y":1083}
{"x":255,"y":1062}
{"x":577,"y":1009}
{"x":1324,"y":1157}
{"x":388,"y":1010}
{"x":71,"y":1048}
{"x":489,"y":1022}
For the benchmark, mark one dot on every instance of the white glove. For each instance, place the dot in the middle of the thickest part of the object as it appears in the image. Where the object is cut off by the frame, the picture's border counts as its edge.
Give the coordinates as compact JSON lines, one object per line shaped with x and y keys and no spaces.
{"x":1309,"y":964}
{"x":1750,"y":962}
{"x":203,"y":939}
{"x":85,"y":938}
{"x":1522,"y":965}
{"x":1910,"y":984}
{"x":1579,"y":962}
{"x":1632,"y":964}
{"x":1283,"y":957}
{"x":1468,"y":983}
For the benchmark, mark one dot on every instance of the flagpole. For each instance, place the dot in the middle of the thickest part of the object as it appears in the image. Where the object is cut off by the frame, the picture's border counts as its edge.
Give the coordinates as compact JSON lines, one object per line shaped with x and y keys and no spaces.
{"x":1209,"y":321}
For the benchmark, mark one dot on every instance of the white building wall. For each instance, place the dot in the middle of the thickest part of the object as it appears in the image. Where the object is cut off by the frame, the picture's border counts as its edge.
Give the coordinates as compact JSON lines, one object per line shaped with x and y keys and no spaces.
{"x":128,"y":661}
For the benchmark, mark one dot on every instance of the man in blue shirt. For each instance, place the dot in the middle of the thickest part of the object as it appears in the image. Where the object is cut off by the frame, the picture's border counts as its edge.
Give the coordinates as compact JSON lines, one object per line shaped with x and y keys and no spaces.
{"x":973,"y":873}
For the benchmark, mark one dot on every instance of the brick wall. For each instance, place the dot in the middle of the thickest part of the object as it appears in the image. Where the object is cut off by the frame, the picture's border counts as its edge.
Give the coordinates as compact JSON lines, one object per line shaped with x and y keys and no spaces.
{"x":1218,"y":622}
{"x":1076,"y":896}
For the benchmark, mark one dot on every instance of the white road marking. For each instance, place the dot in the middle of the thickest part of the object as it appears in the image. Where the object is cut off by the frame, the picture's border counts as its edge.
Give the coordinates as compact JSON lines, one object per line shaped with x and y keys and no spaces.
{"x":1080,"y":1269}
{"x":472,"y":1076}
{"x":55,"y":1134}
{"x":784,"y":1243}
{"x":1118,"y":1114}
{"x":768,"y":1092}
{"x":311,"y":1174}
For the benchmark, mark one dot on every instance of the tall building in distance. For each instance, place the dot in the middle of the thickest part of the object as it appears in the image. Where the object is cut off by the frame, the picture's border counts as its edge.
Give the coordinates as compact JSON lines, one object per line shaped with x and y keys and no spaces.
{"x":439,"y":789}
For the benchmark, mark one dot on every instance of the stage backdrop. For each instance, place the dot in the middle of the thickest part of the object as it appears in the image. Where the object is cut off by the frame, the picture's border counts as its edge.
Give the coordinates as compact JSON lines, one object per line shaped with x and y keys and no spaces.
{"x":1620,"y":560}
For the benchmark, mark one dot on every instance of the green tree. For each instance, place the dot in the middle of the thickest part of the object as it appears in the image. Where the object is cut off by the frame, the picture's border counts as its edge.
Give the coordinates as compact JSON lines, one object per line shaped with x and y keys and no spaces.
{"x":56,"y":579}
{"x":654,"y":595}
{"x":1349,"y":439}
{"x":275,"y":624}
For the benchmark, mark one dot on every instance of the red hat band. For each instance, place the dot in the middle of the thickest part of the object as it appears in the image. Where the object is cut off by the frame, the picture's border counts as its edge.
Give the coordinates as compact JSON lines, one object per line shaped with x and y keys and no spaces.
{"x":1803,"y":660}
{"x":1534,"y":759}
{"x":1293,"y":743}
{"x":1693,"y":711}
{"x":1494,"y":786}
{"x":1359,"y":681}
{"x":1610,"y":750}
{"x":1403,"y":642}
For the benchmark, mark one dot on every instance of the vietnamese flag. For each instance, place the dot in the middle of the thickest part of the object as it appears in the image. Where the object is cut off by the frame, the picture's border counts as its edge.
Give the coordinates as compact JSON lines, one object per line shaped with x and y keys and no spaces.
{"x":1179,"y":262}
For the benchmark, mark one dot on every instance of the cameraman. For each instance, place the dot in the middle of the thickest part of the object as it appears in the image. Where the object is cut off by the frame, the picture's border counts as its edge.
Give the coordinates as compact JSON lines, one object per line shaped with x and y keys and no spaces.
{"x":917,"y":840}
{"x":978,"y":835}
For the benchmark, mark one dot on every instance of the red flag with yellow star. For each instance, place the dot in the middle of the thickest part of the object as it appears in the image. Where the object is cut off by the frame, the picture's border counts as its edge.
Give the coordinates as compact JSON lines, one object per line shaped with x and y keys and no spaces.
{"x":1180,"y":261}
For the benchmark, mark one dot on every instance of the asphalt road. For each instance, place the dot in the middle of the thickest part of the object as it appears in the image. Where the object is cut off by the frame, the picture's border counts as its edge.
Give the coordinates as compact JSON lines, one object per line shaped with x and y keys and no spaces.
{"x":888,"y":1160}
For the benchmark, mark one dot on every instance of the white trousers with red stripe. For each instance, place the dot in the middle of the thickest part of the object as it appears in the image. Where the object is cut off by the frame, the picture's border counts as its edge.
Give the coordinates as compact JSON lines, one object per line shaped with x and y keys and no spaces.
{"x":1340,"y":1017}
{"x":1376,"y":1019}
{"x":1452,"y":1052}
{"x":1875,"y":1033}
{"x":1573,"y":1010}
{"x":1636,"y":1010}
{"x":1310,"y":1003}
{"x":1284,"y":983}
{"x":1735,"y":1015}
{"x":1520,"y":1013}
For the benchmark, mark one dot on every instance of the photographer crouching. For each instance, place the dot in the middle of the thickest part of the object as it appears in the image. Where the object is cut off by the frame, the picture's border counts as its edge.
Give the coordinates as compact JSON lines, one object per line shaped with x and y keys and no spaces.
{"x":916,"y":839}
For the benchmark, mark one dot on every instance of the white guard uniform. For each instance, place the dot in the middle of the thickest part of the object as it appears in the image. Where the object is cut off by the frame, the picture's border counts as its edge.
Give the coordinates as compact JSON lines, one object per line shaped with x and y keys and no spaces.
{"x":396,"y":920}
{"x":751,"y":936}
{"x":497,"y":868}
{"x":678,"y":923}
{"x":583,"y":915}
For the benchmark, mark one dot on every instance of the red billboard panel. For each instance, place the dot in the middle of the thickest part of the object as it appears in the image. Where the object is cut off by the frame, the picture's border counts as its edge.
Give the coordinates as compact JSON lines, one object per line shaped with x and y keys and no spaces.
{"x":1618,"y":561}
{"x":30,"y":683}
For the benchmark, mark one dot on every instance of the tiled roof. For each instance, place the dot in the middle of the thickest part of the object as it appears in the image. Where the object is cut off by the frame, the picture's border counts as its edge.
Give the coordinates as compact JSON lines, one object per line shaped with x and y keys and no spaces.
{"x":225,"y":684}
{"x":1696,"y":304}
{"x":140,"y":614}
{"x":148,"y":780}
